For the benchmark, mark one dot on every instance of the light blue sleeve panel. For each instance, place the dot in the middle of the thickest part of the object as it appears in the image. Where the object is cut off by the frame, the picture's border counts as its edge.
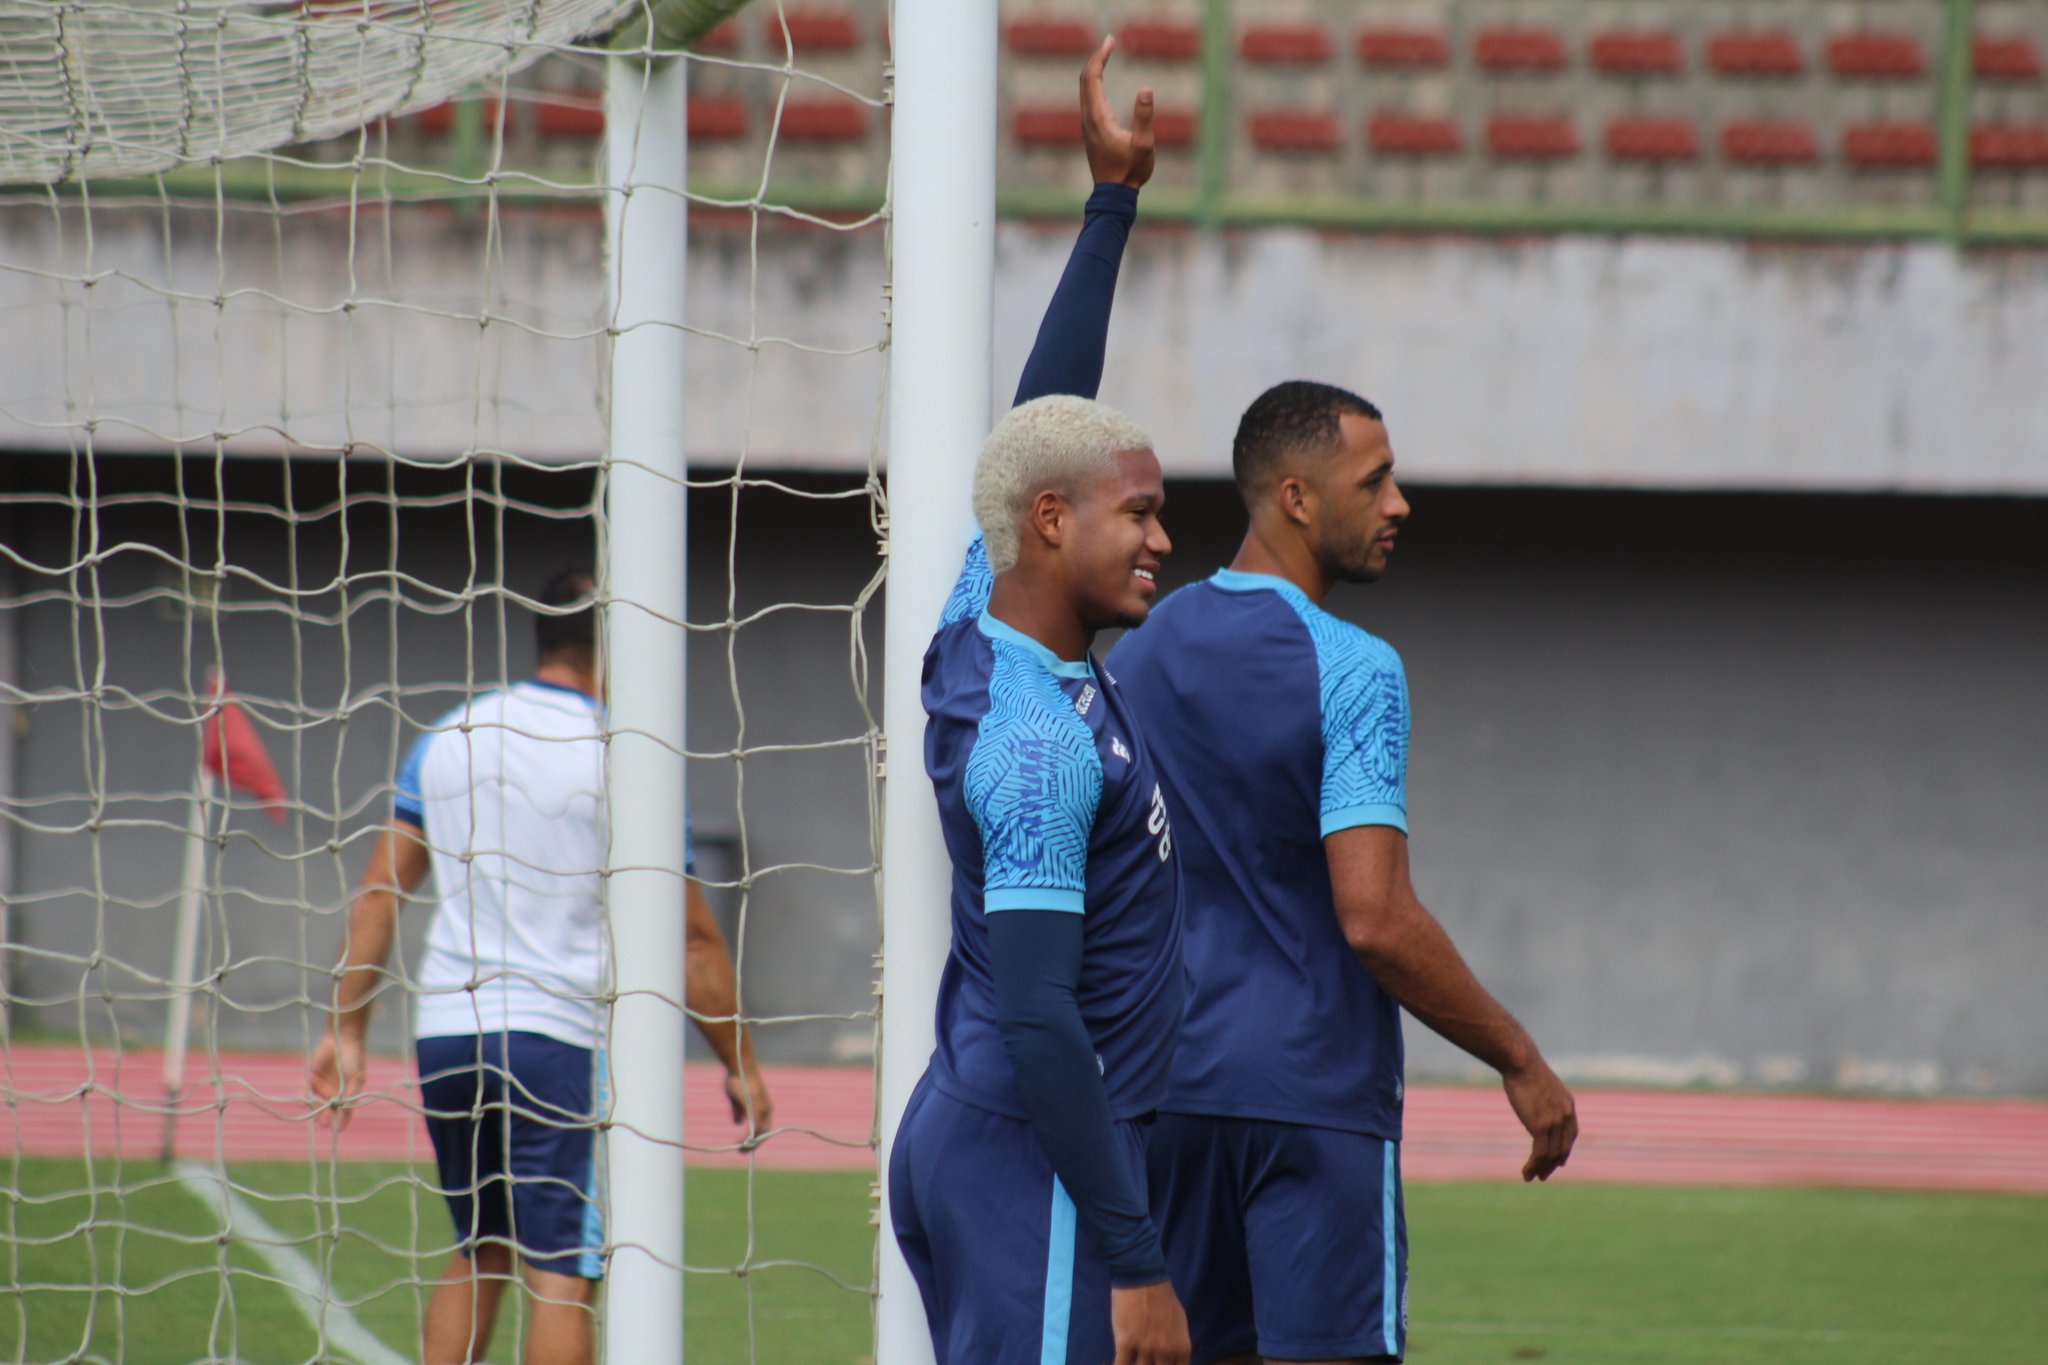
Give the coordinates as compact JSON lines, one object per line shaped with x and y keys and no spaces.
{"x":406,"y":802}
{"x":1033,"y":783}
{"x":1365,"y":726}
{"x":971,"y":589}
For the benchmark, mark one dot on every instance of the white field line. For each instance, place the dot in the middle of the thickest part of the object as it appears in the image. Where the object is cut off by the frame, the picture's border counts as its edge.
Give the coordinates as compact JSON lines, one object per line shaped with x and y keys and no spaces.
{"x":339,"y":1327}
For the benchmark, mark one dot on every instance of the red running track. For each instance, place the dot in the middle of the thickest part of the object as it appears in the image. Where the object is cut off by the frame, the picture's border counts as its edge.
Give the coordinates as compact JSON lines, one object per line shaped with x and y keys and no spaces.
{"x":248,"y":1107}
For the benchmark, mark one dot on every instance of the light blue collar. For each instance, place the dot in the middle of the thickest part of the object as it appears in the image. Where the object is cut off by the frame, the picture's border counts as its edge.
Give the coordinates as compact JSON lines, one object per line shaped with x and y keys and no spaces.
{"x":1233,"y":580}
{"x":1052,"y":663}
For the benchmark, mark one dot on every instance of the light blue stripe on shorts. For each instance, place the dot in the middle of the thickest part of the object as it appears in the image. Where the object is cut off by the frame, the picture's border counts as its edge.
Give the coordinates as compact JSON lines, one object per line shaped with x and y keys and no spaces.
{"x":1059,"y":1277}
{"x":1390,"y":1283}
{"x":590,"y":1264}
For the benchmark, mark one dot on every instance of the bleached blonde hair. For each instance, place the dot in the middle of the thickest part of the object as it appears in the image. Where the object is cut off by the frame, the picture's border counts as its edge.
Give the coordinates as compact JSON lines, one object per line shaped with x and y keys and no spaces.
{"x":1058,"y":442}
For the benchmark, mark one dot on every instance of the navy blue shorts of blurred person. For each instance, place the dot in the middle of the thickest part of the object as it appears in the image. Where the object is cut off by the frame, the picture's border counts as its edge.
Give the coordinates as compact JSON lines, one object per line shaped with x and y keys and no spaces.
{"x":1282,"y":1238}
{"x":513,"y":1122}
{"x":1006,"y":1276}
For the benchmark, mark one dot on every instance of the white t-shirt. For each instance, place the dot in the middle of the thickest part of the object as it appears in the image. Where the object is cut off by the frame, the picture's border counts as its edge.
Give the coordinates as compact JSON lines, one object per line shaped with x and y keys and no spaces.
{"x":510,"y":790}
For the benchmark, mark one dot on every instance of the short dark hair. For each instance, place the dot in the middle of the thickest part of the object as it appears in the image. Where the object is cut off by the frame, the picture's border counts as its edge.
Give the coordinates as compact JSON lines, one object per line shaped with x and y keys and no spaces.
{"x":570,"y":633}
{"x":1299,"y":416}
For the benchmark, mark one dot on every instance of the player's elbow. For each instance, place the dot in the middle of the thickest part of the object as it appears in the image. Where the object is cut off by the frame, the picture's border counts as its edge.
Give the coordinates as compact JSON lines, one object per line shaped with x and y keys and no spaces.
{"x":1371,"y":928}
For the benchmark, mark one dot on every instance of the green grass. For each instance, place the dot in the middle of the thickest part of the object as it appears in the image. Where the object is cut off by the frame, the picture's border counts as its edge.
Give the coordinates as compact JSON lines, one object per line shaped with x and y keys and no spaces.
{"x":1499,"y":1273}
{"x":1620,"y":1273}
{"x":153,"y":1252}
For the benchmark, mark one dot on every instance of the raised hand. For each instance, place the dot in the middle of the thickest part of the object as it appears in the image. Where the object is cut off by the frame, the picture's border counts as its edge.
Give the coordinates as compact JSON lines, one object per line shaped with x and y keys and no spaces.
{"x":1116,"y":155}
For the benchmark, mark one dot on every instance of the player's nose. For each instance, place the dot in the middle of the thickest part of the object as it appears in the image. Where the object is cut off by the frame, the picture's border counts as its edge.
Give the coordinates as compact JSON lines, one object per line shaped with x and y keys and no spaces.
{"x":1397,"y":505}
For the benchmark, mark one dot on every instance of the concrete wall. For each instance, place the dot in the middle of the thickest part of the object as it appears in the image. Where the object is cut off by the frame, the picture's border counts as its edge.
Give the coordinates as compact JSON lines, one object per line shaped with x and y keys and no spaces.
{"x":1635,"y":362}
{"x":1741,"y":789}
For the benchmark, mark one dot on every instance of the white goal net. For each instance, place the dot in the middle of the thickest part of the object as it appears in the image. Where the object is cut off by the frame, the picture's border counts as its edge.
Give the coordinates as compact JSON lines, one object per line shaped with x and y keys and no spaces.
{"x":309,"y":384}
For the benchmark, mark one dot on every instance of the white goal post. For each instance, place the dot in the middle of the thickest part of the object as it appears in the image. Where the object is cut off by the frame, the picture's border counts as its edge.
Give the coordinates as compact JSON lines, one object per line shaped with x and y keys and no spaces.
{"x":940,"y":396}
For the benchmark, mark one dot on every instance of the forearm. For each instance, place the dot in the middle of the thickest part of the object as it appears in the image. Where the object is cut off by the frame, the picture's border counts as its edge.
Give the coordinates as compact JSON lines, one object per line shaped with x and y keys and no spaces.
{"x":1036,"y":959}
{"x":713,"y":998}
{"x":1069,"y":1108}
{"x":1074,"y":337}
{"x":1416,"y":963}
{"x":372,"y":917}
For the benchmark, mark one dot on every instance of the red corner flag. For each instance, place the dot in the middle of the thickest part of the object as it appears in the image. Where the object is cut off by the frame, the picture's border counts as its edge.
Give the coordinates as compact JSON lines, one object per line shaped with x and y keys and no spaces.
{"x":234,"y":752}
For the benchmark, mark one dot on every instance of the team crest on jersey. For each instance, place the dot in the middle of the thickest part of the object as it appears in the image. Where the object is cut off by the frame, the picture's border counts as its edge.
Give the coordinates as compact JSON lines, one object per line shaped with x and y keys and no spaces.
{"x":1116,"y":746}
{"x":1085,"y":700}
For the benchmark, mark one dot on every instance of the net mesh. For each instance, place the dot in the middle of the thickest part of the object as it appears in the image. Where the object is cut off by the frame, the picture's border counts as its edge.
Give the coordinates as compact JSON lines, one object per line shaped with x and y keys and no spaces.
{"x":295,"y":420}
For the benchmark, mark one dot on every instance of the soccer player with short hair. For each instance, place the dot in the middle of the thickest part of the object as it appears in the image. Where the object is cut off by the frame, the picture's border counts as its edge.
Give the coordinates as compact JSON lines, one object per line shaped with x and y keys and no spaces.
{"x":1281,"y":735}
{"x":504,"y":799}
{"x":1017,"y":1180}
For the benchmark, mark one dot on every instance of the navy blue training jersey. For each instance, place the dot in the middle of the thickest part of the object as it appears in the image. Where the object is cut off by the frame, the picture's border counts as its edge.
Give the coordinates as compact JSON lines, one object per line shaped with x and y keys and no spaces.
{"x":1273,"y":724}
{"x":1049,"y":802}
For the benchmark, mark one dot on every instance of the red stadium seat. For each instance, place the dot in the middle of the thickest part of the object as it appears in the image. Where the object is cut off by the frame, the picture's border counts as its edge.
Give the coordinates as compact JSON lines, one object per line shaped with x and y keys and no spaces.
{"x":814,"y":30}
{"x":1174,"y":128}
{"x":436,"y":119}
{"x":717,"y":118}
{"x":1525,"y":137}
{"x":1285,"y":45}
{"x":1755,"y":52}
{"x":1392,"y":133}
{"x":1397,"y":48}
{"x":2005,"y":57}
{"x":1057,"y":125}
{"x":566,"y":115}
{"x":1043,"y":37}
{"x":439,"y":120}
{"x":1519,"y":49}
{"x":1637,"y":52}
{"x":824,"y":120}
{"x":1769,"y":142}
{"x":2009,"y":147}
{"x":1160,"y":40}
{"x":1890,"y":144}
{"x":1652,"y":138}
{"x":1876,"y":56}
{"x":1295,"y":130}
{"x":722,"y":41}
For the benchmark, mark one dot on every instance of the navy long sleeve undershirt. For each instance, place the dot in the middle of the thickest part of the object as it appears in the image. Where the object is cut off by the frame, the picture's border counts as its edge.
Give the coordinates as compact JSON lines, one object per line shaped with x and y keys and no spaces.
{"x":1067,"y":357}
{"x":1035,"y":955}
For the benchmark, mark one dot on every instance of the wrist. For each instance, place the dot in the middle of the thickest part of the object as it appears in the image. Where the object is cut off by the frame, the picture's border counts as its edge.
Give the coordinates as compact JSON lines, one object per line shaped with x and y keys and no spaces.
{"x":1522,"y":1059}
{"x":1113,"y":196}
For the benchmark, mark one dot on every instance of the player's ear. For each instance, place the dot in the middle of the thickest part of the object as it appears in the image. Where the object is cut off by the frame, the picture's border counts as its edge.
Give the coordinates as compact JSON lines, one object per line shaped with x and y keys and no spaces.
{"x":1296,"y":500}
{"x":1048,"y":519}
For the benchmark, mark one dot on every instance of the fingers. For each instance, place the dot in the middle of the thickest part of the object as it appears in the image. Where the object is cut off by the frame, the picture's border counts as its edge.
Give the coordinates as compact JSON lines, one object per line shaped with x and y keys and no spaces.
{"x":1091,"y":72}
{"x":1095,"y":108}
{"x":1141,"y":122}
{"x":1552,"y":1148}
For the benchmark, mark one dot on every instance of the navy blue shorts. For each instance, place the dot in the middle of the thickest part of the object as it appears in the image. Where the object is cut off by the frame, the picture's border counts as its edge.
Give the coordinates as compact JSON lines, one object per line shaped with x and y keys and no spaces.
{"x":513,"y":1117}
{"x":989,"y":1232}
{"x":1281,"y":1238}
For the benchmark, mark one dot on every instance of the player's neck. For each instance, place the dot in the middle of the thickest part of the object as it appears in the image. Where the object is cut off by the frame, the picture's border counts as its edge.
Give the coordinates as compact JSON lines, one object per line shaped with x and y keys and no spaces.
{"x":569,"y":676}
{"x":1044,"y":616}
{"x":1282,"y":557}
